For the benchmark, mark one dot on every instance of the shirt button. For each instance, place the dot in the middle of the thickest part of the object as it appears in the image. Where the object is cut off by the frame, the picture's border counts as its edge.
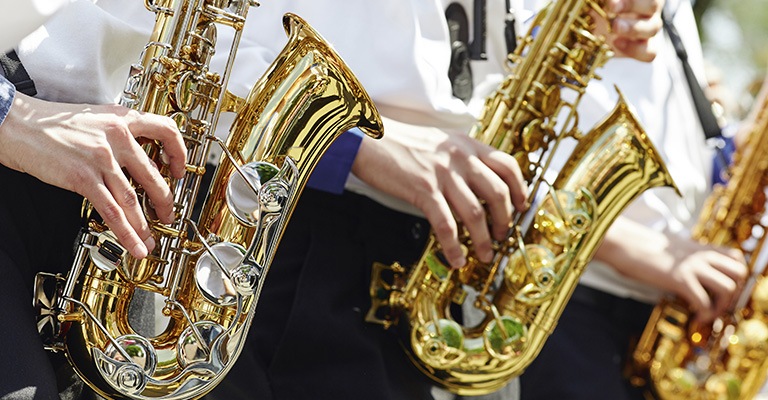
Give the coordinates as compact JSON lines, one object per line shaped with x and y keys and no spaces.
{"x":417,"y":231}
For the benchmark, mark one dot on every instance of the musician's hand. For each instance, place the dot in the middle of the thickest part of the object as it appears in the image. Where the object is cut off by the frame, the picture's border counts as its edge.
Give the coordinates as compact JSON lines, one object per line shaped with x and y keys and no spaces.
{"x":633,"y":26}
{"x":708,"y":278}
{"x":445,"y":175}
{"x":83,"y":148}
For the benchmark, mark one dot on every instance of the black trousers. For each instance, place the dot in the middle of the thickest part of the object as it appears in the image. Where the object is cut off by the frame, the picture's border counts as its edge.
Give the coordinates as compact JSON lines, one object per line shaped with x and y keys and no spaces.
{"x":38,"y":226}
{"x":309,"y":339}
{"x":585,"y":356}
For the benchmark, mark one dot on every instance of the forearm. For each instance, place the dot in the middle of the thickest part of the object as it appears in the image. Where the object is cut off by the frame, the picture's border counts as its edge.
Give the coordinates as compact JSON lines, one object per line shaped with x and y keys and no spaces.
{"x":635,"y":251}
{"x":706,"y":277}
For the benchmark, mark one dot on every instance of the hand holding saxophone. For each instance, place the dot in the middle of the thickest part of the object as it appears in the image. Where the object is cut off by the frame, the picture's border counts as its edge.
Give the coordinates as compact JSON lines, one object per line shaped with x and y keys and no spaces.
{"x":446,"y":175}
{"x":633,"y":23}
{"x":82,"y":148}
{"x":709,"y":278}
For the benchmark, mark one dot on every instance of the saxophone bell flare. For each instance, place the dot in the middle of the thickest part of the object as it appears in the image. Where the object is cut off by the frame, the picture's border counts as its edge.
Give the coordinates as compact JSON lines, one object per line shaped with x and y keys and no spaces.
{"x":171,"y":325}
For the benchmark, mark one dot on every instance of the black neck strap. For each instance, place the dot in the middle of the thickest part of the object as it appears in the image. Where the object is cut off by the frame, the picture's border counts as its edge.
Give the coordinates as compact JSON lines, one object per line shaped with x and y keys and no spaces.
{"x":510,"y":36}
{"x":703,"y":105}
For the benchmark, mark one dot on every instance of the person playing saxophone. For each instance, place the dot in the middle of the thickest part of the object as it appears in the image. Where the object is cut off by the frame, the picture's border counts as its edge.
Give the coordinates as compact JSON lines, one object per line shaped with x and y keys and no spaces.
{"x":53,"y":150}
{"x":309,"y":338}
{"x":70,"y":141}
{"x":648,"y":251}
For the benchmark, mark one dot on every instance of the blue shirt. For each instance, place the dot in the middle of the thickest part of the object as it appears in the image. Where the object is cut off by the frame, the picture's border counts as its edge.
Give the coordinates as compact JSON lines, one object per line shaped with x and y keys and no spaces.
{"x":724,"y":149}
{"x":331,"y":172}
{"x":7,"y":93}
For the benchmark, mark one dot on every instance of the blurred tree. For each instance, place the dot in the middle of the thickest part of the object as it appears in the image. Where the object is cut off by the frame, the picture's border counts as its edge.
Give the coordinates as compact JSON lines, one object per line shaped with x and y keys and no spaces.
{"x":734,"y":36}
{"x":699,"y":8}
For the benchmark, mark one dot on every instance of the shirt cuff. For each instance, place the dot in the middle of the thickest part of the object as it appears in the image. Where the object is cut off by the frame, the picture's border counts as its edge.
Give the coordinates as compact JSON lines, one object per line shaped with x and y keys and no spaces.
{"x":331,"y":172}
{"x":7,"y":93}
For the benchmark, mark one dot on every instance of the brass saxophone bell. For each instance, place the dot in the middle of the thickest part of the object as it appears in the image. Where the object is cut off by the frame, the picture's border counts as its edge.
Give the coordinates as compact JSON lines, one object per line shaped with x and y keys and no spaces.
{"x":171,"y":325}
{"x":519,"y":296}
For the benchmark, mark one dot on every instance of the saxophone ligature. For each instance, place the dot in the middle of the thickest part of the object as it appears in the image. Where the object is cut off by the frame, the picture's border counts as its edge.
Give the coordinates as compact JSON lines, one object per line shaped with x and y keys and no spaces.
{"x":519,"y":296}
{"x":171,"y":325}
{"x":680,"y":358}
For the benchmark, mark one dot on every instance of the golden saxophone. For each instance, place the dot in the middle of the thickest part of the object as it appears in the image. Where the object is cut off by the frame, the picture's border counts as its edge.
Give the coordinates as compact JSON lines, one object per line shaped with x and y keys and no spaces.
{"x":677,"y":358}
{"x":172,"y":325}
{"x":519,"y":296}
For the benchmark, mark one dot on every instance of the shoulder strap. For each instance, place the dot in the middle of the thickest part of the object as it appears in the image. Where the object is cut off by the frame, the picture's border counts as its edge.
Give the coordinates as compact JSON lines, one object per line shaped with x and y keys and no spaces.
{"x":510,"y":36}
{"x":703,"y":105}
{"x":16,"y":73}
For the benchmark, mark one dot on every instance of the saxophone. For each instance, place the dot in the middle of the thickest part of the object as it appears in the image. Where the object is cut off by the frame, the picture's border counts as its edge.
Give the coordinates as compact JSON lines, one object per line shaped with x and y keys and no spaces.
{"x":519,"y":296}
{"x":171,"y":325}
{"x":677,"y":358}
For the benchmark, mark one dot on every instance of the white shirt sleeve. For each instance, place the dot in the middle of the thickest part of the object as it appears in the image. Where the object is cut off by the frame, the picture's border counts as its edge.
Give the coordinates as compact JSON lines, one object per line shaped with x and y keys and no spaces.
{"x":27,"y":16}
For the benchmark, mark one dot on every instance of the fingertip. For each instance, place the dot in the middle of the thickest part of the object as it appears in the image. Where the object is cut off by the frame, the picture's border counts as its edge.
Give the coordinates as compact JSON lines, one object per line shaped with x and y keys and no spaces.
{"x":180,"y":165}
{"x":499,"y":234}
{"x":454,"y":256}
{"x":521,"y":204}
{"x":635,"y":50}
{"x":149,"y":243}
{"x":177,"y":162}
{"x":620,"y":44}
{"x":519,"y":197}
{"x":706,"y":316}
{"x":621,"y":26}
{"x":179,"y":171}
{"x":164,"y":209}
{"x":616,"y":6}
{"x":736,"y":254}
{"x":139,"y":251}
{"x":487,"y":256}
{"x":172,"y":216}
{"x":458,"y":262}
{"x":168,"y":218}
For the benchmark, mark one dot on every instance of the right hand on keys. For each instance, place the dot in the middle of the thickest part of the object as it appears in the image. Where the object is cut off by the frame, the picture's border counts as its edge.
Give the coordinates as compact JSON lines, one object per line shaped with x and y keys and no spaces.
{"x":83,"y":148}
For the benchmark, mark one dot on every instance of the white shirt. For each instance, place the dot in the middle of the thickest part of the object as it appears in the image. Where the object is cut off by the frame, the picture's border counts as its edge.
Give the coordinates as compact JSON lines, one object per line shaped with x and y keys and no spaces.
{"x":403,"y":61}
{"x":663,"y":102}
{"x":411,"y":37}
{"x":26,"y":16}
{"x":89,"y":63}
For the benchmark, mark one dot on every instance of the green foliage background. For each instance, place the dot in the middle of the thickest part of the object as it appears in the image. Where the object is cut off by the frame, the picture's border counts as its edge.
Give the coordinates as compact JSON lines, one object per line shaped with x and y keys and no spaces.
{"x":734,"y":36}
